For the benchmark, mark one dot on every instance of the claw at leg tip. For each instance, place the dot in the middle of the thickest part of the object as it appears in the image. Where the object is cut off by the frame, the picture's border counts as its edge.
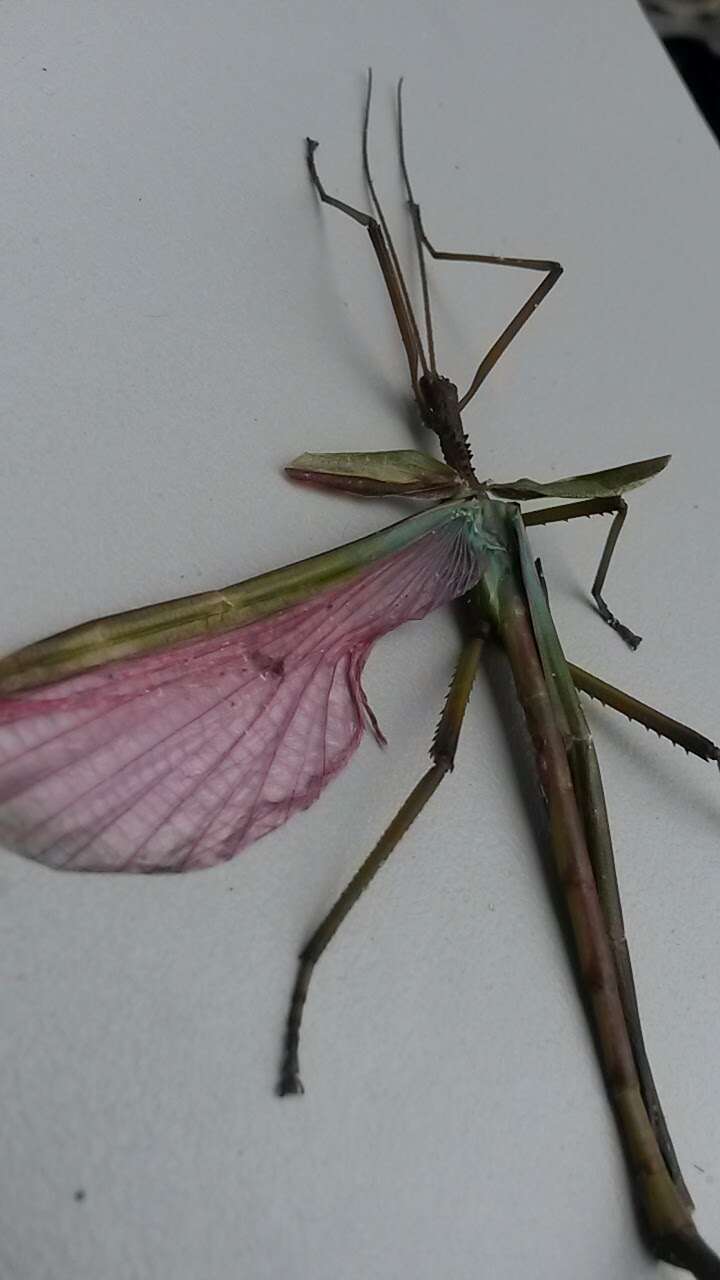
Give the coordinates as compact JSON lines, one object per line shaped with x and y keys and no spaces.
{"x":290,"y":1083}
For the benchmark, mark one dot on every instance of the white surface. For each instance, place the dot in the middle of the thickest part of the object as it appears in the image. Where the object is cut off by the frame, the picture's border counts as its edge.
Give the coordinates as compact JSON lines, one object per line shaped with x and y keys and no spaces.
{"x":180,"y":320}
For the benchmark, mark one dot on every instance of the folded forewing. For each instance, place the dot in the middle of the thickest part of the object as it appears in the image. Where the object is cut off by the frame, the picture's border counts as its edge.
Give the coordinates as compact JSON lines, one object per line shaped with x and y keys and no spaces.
{"x":595,"y":484}
{"x":179,"y":758}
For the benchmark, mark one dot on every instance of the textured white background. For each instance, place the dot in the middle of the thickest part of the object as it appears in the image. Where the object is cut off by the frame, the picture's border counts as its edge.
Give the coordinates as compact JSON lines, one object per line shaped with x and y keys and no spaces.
{"x":179,"y":320}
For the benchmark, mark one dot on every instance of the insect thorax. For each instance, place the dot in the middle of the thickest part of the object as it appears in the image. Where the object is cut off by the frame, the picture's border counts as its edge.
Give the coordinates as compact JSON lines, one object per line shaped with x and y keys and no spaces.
{"x":439,"y":405}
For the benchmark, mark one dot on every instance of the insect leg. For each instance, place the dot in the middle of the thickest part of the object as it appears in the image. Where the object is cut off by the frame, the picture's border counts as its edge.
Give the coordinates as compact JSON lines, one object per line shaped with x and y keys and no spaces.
{"x":683,"y":736}
{"x":443,"y":755}
{"x":382,"y":243}
{"x":553,"y":271}
{"x":594,"y":507}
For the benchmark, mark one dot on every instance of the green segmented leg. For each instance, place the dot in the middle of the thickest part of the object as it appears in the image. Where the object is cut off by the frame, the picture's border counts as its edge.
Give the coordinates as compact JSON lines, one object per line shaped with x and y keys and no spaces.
{"x":443,"y":755}
{"x":594,"y":507}
{"x":387,"y":259}
{"x":674,"y":730}
{"x":552,"y":271}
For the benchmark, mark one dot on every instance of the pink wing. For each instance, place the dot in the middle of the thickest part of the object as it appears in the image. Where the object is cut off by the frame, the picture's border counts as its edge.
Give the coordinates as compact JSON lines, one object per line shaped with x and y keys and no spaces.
{"x":178,"y":759}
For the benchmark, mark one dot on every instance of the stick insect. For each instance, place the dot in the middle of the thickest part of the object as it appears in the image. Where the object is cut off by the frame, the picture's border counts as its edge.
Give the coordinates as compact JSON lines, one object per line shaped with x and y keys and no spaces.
{"x":169,"y":737}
